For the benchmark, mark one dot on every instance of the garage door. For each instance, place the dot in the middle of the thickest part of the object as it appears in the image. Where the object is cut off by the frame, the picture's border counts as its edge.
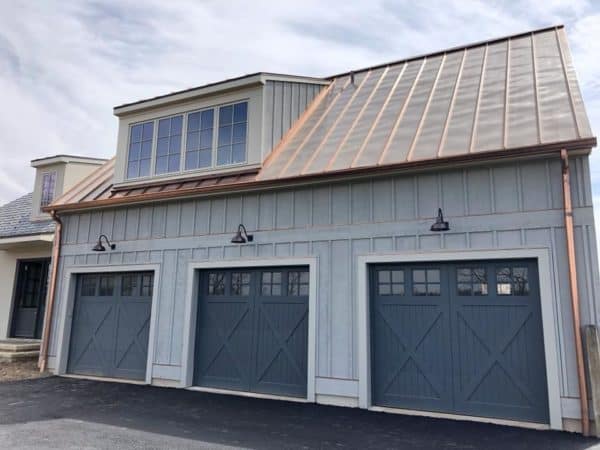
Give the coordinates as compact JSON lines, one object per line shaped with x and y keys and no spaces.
{"x":462,"y":338}
{"x":111,"y":323}
{"x":252,"y":330}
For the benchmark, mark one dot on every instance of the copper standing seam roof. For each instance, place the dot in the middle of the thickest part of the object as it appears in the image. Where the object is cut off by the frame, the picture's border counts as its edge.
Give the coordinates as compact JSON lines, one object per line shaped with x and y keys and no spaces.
{"x":515,"y":95}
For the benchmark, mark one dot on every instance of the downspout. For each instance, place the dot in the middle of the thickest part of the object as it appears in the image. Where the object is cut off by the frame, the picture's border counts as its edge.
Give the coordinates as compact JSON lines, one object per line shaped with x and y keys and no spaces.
{"x":568,"y":207}
{"x":43,"y":360}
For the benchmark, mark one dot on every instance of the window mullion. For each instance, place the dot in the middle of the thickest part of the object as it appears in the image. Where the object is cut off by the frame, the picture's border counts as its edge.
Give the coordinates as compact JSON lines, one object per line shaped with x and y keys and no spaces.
{"x":216,"y":131}
{"x":154,"y":147}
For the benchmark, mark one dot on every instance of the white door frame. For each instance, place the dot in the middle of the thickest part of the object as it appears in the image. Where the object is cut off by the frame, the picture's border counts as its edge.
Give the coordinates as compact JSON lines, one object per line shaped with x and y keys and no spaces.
{"x":189,"y":326}
{"x":65,"y":316}
{"x":547,"y":307}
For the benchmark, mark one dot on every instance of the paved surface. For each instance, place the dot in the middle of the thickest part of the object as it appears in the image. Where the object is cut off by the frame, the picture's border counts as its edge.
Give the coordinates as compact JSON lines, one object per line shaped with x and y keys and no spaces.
{"x":67,"y":413}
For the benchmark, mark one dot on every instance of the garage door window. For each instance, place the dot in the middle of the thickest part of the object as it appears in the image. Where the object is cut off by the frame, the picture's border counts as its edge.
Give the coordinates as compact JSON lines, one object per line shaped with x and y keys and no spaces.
{"x":271,"y":283}
{"x":147,"y":285}
{"x":216,"y":283}
{"x":240,"y":283}
{"x":426,"y":281}
{"x":106,"y":286}
{"x":471,"y":281}
{"x":512,"y":281}
{"x":297,"y":283}
{"x":390,"y":282}
{"x":88,"y":285}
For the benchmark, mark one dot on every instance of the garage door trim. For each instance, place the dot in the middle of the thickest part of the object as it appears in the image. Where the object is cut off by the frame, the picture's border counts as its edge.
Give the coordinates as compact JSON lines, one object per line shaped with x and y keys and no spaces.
{"x":546,"y":297}
{"x":69,"y":291}
{"x":191,"y":297}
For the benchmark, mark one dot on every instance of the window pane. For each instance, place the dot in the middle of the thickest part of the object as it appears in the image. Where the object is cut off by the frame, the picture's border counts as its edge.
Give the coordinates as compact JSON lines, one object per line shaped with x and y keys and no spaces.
{"x":504,"y":288}
{"x":136,"y":133}
{"x":418,"y":276}
{"x":147,"y":285}
{"x":383,"y":276}
{"x":164,"y":126}
{"x":397,"y":289}
{"x":174,"y":163}
{"x":240,"y":112}
{"x":194,"y":121}
{"x":433,"y":275}
{"x":146,"y":151}
{"x":398,"y":276}
{"x":162,"y":164}
{"x":134,"y":151}
{"x":419,"y":289}
{"x":129,"y":285}
{"x":224,"y":135}
{"x":224,"y":155}
{"x":88,"y":285}
{"x":385,"y":289}
{"x":148,"y":130}
{"x":464,"y":289}
{"x":216,"y":283}
{"x":464,"y":275}
{"x":225,"y":115}
{"x":175,"y":144}
{"x":433,"y":289}
{"x":132,"y":169}
{"x":162,"y":148}
{"x":106,"y":286}
{"x":191,"y":160}
{"x":239,"y":132}
{"x":207,"y":119}
{"x":144,"y":167}
{"x":176,"y":125}
{"x":240,"y":283}
{"x":205,"y":157}
{"x":206,"y":139}
{"x":238,"y":153}
{"x":193,"y":141}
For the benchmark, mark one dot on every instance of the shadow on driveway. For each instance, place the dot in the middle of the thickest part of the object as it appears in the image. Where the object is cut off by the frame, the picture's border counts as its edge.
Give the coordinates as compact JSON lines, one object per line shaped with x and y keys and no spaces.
{"x":53,"y":412}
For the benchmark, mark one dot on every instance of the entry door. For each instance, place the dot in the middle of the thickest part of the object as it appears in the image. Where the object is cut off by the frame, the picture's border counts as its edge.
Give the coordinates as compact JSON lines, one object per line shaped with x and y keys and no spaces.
{"x":252,"y":330}
{"x":463,"y":338}
{"x":30,"y":298}
{"x":111,"y":325}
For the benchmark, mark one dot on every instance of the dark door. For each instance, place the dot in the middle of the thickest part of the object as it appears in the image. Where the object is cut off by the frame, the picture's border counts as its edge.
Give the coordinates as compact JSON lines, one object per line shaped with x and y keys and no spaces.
{"x":252,"y":330}
{"x":111,"y":324}
{"x":463,"y":338}
{"x":30,"y":298}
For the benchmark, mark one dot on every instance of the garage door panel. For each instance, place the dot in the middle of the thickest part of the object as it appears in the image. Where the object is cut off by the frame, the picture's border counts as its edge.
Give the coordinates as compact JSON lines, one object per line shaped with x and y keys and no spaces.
{"x":486,"y":342}
{"x":110,"y":331}
{"x":225,"y":333}
{"x":252,"y":332}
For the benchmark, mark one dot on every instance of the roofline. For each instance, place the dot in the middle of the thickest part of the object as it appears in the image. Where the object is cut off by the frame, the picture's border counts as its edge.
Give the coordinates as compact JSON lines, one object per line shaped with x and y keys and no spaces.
{"x":338,"y":175}
{"x":450,"y":50}
{"x":31,"y":237}
{"x":256,"y":78}
{"x":47,"y":160}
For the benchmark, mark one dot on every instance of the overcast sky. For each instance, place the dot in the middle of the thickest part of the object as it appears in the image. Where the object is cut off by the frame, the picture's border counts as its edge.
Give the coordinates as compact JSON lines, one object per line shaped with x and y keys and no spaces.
{"x":65,"y":64}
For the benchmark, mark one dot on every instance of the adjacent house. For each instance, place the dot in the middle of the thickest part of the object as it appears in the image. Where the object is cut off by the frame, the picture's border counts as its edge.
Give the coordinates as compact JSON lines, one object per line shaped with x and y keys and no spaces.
{"x":414,"y":237}
{"x":26,"y":235}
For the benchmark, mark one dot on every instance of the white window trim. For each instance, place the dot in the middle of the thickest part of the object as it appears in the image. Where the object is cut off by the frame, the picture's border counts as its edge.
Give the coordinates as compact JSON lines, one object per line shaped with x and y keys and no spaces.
{"x":182,"y":171}
{"x":551,"y":349}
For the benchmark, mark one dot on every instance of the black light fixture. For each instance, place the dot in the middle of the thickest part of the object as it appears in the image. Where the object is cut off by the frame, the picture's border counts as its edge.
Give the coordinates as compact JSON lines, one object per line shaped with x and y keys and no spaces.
{"x":101,"y":248}
{"x":440,"y":224}
{"x":239,"y":238}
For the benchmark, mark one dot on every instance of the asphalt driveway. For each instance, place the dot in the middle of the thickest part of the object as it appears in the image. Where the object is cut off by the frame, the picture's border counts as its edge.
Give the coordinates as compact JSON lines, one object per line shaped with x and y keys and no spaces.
{"x":67,"y":413}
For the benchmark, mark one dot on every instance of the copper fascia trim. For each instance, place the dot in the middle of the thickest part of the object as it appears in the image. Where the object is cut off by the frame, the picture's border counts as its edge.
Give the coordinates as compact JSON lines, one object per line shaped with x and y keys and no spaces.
{"x":569,"y":231}
{"x":43,"y":358}
{"x":337,"y":175}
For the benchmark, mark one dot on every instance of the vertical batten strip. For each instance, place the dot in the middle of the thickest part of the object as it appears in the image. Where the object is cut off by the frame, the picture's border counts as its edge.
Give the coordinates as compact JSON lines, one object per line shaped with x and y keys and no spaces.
{"x":450,"y":109}
{"x":332,"y":127}
{"x":358,"y":117}
{"x":506,"y":95}
{"x":478,"y":102}
{"x":425,"y":111}
{"x":300,"y":123}
{"x":567,"y":84}
{"x":401,"y":113}
{"x":535,"y":91}
{"x":378,"y":117}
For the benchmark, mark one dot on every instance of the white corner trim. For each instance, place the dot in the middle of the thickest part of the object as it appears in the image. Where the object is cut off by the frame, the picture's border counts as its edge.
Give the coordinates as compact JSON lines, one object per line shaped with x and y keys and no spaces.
{"x":547,"y":307}
{"x":65,"y":312}
{"x":189,"y":326}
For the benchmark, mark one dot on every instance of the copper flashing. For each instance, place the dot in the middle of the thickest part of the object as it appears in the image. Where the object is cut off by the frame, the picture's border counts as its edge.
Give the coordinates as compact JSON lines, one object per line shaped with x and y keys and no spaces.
{"x":570,"y":236}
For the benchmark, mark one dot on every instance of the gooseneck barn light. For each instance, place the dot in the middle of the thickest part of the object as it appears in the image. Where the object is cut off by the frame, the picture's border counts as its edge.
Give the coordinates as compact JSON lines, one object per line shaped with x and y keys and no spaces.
{"x":240,"y":238}
{"x":440,"y":224}
{"x":101,"y":248}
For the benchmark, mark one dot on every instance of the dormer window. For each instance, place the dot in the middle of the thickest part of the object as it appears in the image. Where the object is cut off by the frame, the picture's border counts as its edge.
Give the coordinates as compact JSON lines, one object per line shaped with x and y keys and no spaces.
{"x":140,"y":150}
{"x":168,"y":147}
{"x":48,"y":187}
{"x":204,"y":149}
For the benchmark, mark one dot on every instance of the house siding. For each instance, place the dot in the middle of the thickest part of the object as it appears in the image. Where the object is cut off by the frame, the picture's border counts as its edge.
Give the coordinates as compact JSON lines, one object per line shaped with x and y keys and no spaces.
{"x":517,"y":205}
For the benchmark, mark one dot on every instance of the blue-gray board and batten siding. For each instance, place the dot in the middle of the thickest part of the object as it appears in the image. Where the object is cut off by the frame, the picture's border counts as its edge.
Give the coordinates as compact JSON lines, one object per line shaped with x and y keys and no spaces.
{"x":461,"y":338}
{"x":508,"y":206}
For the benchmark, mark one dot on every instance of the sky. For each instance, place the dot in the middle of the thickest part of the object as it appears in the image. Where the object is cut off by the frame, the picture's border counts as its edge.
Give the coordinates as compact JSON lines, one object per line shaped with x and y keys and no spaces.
{"x":65,"y":64}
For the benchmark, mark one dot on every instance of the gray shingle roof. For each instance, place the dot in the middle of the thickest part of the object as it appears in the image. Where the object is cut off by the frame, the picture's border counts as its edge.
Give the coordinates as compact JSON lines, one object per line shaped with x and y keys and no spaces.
{"x":15,"y":219}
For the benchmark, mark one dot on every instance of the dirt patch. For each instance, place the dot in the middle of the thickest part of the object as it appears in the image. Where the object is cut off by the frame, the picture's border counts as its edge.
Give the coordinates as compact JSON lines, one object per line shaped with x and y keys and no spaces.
{"x":20,"y":370}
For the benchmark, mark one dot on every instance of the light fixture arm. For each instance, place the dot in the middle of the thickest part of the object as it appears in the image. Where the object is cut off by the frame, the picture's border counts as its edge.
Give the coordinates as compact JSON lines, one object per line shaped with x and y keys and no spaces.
{"x":112,"y":246}
{"x":249,"y":237}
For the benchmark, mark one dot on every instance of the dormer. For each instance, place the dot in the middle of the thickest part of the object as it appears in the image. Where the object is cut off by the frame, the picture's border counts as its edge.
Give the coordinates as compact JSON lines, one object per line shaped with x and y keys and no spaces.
{"x":55,"y":175}
{"x":220,"y":128}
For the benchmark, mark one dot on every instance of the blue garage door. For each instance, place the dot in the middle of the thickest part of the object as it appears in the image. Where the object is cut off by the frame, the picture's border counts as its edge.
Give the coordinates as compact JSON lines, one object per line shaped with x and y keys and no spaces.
{"x":111,"y":325}
{"x":463,"y":338}
{"x":252,"y":330}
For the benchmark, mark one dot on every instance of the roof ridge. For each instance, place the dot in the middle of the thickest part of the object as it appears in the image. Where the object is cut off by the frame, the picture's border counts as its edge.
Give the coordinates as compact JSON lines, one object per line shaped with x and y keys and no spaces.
{"x":449,"y":50}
